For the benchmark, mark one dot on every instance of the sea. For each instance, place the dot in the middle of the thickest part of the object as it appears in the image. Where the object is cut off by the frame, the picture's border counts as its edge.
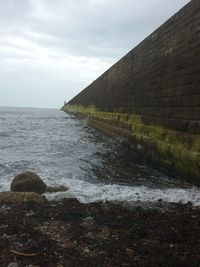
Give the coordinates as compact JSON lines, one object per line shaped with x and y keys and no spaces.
{"x":94,"y":167}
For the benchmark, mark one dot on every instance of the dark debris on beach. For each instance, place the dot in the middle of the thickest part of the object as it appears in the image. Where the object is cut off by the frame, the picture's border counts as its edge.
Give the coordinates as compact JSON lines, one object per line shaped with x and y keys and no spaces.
{"x":71,"y":234}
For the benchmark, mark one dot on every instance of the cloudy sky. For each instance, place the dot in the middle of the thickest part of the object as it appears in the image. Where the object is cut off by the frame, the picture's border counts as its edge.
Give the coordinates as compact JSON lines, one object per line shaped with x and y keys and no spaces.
{"x":52,"y":49}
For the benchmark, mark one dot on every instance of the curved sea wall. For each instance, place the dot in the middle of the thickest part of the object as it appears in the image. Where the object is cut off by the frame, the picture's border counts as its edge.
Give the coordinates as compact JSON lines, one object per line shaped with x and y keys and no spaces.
{"x":151,"y":97}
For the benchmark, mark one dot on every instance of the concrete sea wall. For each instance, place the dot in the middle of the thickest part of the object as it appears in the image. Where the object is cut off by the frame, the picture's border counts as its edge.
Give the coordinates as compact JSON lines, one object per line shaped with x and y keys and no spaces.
{"x":151,"y":97}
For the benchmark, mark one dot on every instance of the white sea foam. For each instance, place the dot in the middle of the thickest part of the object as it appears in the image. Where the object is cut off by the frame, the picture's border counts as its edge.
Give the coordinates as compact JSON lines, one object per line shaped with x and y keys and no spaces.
{"x":87,"y":192}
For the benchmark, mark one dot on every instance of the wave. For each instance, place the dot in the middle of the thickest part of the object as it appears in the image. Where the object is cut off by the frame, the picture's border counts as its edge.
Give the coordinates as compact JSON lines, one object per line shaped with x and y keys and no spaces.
{"x":87,"y":193}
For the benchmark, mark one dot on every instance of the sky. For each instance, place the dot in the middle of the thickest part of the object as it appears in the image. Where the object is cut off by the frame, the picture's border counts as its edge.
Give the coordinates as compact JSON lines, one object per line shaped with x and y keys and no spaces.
{"x":50,"y":50}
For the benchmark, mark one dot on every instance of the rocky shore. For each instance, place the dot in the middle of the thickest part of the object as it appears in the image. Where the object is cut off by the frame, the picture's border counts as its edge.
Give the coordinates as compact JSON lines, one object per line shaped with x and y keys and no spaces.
{"x":71,"y":234}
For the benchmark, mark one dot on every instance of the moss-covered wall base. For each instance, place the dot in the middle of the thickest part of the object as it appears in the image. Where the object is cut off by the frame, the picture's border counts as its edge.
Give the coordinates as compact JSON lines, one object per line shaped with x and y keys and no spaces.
{"x":176,"y":151}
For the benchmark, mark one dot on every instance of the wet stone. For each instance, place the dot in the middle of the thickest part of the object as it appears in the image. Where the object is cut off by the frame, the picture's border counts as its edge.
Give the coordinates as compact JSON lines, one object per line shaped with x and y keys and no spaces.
{"x":13,"y":264}
{"x":28,"y":182}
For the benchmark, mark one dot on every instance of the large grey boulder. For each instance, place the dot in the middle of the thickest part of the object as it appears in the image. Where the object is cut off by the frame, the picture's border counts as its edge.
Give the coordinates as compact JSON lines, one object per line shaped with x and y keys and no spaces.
{"x":28,"y":182}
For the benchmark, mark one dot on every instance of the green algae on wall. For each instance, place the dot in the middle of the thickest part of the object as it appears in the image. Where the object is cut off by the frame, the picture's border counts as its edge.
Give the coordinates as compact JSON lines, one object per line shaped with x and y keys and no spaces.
{"x":177,"y":151}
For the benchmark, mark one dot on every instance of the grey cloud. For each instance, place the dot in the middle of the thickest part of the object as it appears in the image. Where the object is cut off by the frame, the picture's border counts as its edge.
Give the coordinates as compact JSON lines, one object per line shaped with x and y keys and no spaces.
{"x":101,"y":28}
{"x":73,"y":39}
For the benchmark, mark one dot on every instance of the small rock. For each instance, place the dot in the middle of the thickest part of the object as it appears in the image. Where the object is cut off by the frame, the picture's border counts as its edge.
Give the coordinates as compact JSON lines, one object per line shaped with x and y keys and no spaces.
{"x":29,"y":214}
{"x":90,"y":235}
{"x":86,"y":250}
{"x":58,"y":188}
{"x":105,"y":232}
{"x":3,"y":226}
{"x":139,"y":147}
{"x":88,"y":222}
{"x":13,"y":264}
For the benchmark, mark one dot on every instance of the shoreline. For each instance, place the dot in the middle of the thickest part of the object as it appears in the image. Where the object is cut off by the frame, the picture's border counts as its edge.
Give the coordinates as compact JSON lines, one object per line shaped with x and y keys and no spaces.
{"x":70,"y":233}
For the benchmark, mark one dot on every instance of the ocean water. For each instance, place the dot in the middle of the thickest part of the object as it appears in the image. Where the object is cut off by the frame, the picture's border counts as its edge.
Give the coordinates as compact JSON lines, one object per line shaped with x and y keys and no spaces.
{"x":93,"y":166}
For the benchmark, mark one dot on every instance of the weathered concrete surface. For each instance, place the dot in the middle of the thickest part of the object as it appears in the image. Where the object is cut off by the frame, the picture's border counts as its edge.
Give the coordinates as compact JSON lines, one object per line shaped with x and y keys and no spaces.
{"x":151,"y":97}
